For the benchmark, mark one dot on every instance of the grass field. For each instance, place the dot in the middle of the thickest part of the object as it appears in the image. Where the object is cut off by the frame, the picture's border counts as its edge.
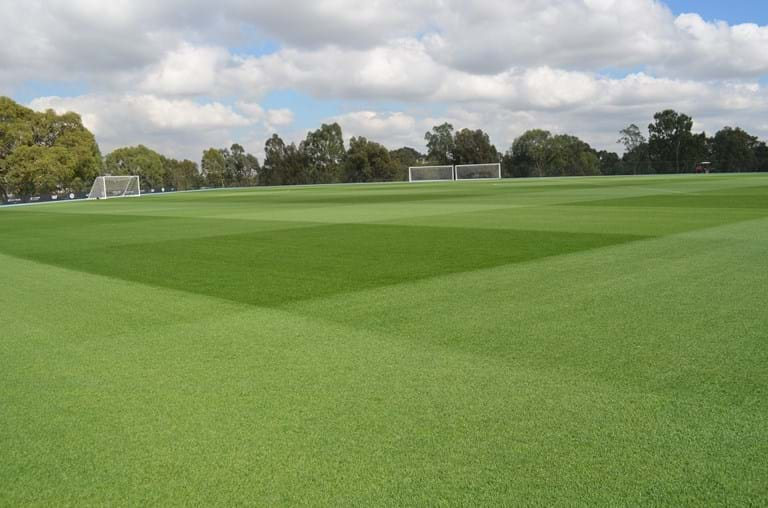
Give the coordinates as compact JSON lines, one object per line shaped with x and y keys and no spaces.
{"x":566,"y":341}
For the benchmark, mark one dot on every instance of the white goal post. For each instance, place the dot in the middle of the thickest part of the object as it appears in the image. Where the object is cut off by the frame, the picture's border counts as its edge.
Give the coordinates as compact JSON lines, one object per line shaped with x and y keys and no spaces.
{"x":105,"y":187}
{"x":430,"y":173}
{"x":478,"y":171}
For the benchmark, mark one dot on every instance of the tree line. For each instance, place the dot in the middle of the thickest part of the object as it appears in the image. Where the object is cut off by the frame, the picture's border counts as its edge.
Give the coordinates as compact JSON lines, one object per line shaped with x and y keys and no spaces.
{"x":43,"y":152}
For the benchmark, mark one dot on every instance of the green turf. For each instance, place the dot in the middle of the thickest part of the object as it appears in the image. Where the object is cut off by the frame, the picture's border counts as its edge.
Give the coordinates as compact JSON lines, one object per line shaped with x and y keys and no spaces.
{"x":596,"y":341}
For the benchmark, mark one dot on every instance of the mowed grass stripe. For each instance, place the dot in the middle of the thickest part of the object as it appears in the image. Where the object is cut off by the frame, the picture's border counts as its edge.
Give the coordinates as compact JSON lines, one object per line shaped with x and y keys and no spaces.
{"x":595,"y":219}
{"x":678,"y":314}
{"x":275,"y":267}
{"x":749,"y":197}
{"x":26,"y":234}
{"x":263,"y":406}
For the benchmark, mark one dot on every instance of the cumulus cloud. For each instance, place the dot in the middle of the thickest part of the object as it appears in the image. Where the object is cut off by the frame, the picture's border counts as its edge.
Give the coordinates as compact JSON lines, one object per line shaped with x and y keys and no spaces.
{"x":251,"y":110}
{"x":487,"y":36}
{"x":188,"y":70}
{"x":173,"y":125}
{"x":348,"y":23}
{"x":717,"y":50}
{"x":393,"y":129}
{"x":280,"y":117}
{"x":179,"y":73}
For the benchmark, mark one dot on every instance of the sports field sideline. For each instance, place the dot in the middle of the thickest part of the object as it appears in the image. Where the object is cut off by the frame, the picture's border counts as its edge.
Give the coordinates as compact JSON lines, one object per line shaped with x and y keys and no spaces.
{"x":599,"y":339}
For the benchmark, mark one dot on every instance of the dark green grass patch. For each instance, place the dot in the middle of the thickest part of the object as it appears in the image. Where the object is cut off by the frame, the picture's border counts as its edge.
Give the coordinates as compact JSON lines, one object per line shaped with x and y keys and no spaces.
{"x":274,"y":267}
{"x":33,"y":233}
{"x":592,"y":219}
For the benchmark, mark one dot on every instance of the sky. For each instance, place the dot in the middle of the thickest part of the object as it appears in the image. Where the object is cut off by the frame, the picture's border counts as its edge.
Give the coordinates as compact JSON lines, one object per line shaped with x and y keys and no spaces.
{"x":181,"y":76}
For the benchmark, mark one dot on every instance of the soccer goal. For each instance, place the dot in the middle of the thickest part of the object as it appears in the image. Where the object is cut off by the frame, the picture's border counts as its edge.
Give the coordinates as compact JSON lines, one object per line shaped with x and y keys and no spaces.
{"x":105,"y":187}
{"x":478,"y":171}
{"x":430,"y":173}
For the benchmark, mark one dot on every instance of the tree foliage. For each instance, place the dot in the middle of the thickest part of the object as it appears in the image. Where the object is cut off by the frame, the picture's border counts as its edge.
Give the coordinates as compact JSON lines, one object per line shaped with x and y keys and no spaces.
{"x":213,"y":167}
{"x":229,"y":167}
{"x":323,"y":151}
{"x":181,"y":175}
{"x":44,"y":152}
{"x":463,"y":147}
{"x":404,"y":158}
{"x":284,"y":164}
{"x":473,"y":147}
{"x":368,"y":161}
{"x":440,"y":144}
{"x":137,"y":160}
{"x":672,"y":146}
{"x":539,"y":153}
{"x":529,"y":155}
{"x":735,"y":150}
{"x":636,"y":156}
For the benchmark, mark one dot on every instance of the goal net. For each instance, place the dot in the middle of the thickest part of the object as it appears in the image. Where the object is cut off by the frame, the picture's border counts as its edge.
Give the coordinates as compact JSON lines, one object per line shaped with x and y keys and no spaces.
{"x":105,"y":187}
{"x":430,"y":173}
{"x":478,"y":171}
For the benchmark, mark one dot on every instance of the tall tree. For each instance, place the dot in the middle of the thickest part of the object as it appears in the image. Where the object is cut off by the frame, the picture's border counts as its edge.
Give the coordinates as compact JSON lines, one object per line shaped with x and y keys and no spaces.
{"x":15,"y":132}
{"x":274,"y":155}
{"x":405,"y":157}
{"x":214,"y":167}
{"x":671,"y":141}
{"x":283,"y":164}
{"x":530,"y":153}
{"x":180,"y":175}
{"x":631,"y":137}
{"x":761,"y":157}
{"x":137,"y":160}
{"x":242,"y":168}
{"x":734,"y":150}
{"x":440,"y":144}
{"x":368,"y":161}
{"x":44,"y":152}
{"x":473,"y":147}
{"x":635,"y":148}
{"x":539,"y":153}
{"x":570,"y":156}
{"x":252,"y":169}
{"x":229,"y":167}
{"x":324,"y":152}
{"x":610,"y":163}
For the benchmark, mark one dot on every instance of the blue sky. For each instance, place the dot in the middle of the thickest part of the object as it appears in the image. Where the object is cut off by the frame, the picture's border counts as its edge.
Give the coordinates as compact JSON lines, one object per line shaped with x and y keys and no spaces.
{"x":181,"y":80}
{"x":732,"y":11}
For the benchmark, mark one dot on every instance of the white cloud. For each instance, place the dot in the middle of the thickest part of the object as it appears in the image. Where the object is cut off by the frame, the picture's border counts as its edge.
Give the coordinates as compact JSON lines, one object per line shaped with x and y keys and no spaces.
{"x":280,"y":117}
{"x":391,"y":129}
{"x":488,"y":36}
{"x":178,"y":127}
{"x":161,"y":72}
{"x":85,"y":38}
{"x":185,"y":114}
{"x":717,"y":50}
{"x":251,"y":110}
{"x":188,"y":70}
{"x":348,"y":23}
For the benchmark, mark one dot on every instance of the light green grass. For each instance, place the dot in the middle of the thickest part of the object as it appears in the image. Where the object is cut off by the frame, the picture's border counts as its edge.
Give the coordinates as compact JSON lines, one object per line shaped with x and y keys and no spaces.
{"x":596,"y":341}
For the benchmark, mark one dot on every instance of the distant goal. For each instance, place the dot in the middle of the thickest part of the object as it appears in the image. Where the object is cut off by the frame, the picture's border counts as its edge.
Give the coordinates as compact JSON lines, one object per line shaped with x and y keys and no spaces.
{"x":430,"y":173}
{"x":478,"y":171}
{"x":105,"y":187}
